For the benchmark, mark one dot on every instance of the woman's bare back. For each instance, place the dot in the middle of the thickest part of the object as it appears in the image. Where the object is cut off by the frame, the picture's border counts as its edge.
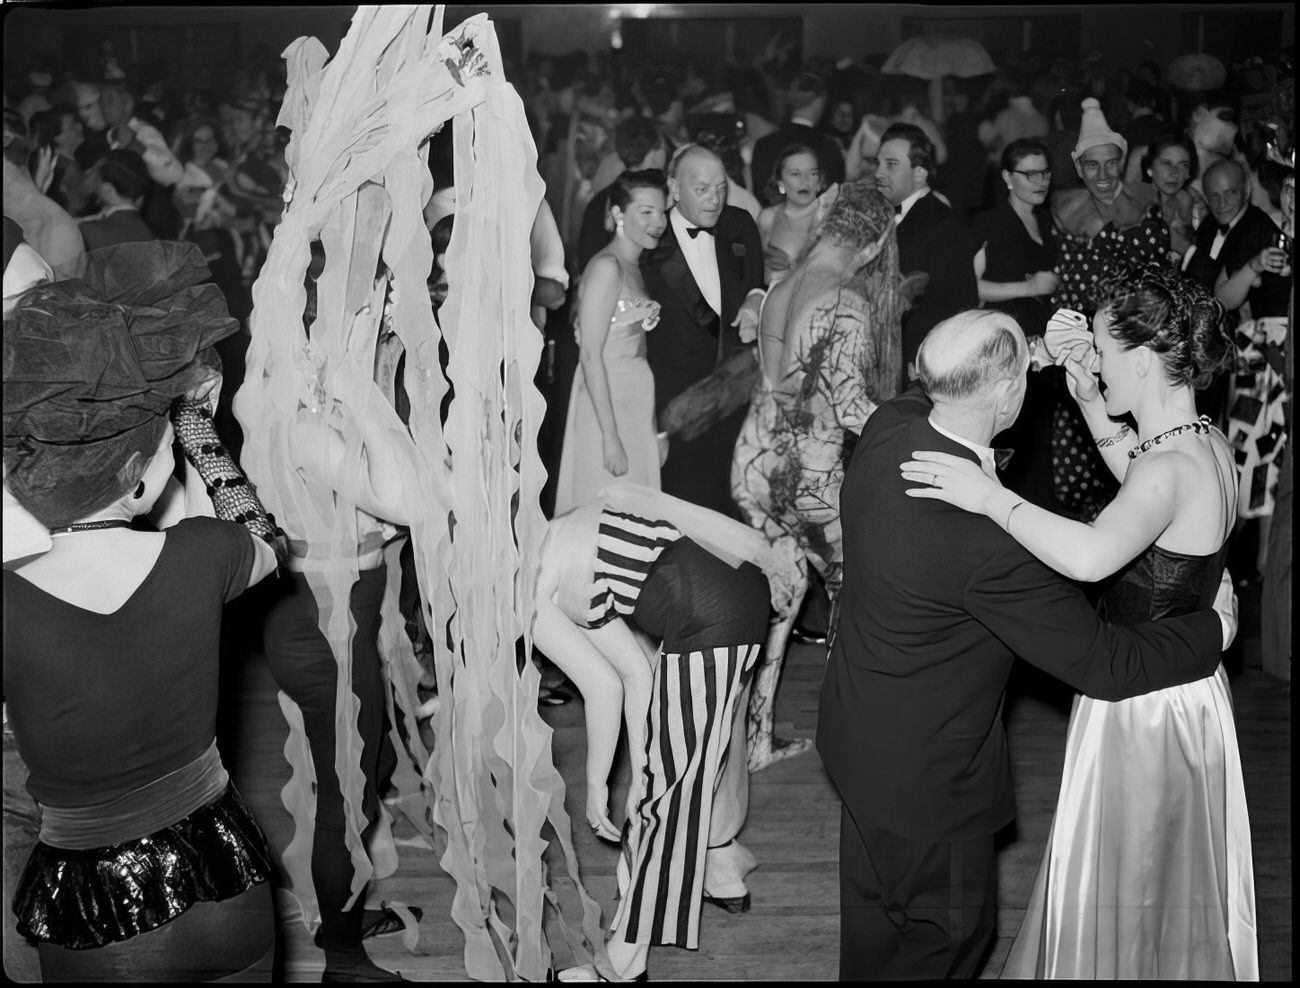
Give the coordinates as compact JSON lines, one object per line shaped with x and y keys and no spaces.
{"x":100,"y":571}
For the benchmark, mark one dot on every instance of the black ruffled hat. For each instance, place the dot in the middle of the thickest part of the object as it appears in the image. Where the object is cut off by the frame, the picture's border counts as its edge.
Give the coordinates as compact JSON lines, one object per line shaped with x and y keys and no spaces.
{"x":92,"y":366}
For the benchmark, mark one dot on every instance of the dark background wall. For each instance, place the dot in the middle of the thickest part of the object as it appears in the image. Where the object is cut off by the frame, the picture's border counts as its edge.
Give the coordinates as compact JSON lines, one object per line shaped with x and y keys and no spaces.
{"x":1126,"y":33}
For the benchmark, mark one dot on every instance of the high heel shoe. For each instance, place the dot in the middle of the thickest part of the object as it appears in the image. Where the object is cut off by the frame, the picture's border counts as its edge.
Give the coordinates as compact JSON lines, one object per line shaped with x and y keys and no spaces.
{"x":591,"y":974}
{"x":736,"y":904}
{"x":802,"y":636}
{"x":379,"y":922}
{"x":354,"y":966}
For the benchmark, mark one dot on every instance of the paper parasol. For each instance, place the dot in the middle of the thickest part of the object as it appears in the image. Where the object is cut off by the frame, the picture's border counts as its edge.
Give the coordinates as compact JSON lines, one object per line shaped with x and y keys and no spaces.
{"x":1196,"y":72}
{"x":933,"y":58}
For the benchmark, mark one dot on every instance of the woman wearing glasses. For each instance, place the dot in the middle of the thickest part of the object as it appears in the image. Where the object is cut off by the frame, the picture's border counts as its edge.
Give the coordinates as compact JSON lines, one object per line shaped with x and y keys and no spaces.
{"x":1017,"y":254}
{"x":1014,"y":270}
{"x":1099,"y":229}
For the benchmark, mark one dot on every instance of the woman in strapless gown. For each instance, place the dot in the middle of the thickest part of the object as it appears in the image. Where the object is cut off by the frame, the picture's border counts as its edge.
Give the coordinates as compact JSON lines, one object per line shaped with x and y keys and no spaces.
{"x":1148,"y":870}
{"x":610,"y":431}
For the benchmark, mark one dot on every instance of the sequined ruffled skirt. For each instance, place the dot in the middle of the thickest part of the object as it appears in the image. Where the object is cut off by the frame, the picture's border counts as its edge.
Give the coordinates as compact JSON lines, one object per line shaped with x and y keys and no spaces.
{"x":83,"y":899}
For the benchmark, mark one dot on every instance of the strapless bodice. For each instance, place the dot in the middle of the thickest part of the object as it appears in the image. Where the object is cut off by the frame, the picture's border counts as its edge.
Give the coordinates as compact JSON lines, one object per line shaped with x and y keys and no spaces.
{"x":1161,"y":583}
{"x":632,"y":318}
{"x":634,"y":310}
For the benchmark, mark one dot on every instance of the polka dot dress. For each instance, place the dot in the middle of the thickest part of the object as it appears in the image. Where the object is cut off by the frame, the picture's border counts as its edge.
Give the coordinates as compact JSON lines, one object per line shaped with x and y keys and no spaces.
{"x":1082,"y":482}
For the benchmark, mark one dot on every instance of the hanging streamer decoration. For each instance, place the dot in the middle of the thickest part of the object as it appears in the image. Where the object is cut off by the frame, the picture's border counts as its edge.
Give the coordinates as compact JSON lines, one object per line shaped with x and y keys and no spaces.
{"x":487,"y":797}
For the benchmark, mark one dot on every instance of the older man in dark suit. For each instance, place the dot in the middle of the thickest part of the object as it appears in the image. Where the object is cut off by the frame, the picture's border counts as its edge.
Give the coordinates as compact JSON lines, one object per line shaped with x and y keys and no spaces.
{"x":707,"y":275}
{"x":936,"y":604}
{"x":931,"y":237}
{"x":706,"y":266}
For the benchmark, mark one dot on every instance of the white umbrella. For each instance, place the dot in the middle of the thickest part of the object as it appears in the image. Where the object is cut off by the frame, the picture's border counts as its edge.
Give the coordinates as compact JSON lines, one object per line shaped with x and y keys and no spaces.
{"x":934,"y":58}
{"x":1196,"y":72}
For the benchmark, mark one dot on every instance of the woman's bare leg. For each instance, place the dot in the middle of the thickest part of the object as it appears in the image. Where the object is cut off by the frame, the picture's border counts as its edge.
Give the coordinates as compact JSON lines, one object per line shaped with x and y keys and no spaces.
{"x":577,"y":656}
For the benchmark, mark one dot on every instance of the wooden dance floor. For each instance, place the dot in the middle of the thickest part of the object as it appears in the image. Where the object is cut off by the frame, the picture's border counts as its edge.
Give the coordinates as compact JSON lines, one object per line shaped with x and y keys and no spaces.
{"x":791,"y":934}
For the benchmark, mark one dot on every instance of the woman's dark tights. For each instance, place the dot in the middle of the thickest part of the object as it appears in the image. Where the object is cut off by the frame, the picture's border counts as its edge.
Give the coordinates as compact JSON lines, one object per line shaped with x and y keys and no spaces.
{"x":304,"y":667}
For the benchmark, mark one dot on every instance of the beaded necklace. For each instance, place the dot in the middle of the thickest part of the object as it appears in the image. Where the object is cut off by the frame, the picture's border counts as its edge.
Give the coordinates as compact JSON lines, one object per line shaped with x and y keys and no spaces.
{"x":1200,"y":425}
{"x":91,"y":526}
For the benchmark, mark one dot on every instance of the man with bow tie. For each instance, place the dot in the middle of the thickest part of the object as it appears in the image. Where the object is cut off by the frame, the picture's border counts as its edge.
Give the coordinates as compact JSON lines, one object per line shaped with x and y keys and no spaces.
{"x":707,"y":265}
{"x":707,"y":276}
{"x":936,"y":604}
{"x":1235,"y":255}
{"x":1236,"y":236}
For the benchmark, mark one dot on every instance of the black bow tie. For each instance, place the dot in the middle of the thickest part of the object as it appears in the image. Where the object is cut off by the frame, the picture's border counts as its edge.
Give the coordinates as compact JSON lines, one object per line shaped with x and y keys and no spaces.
{"x":898,"y":210}
{"x":1223,"y":229}
{"x":695,"y":231}
{"x":1001,"y":457}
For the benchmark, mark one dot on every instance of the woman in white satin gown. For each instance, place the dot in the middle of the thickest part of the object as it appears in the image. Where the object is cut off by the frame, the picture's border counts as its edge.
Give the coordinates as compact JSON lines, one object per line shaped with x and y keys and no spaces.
{"x":1148,"y":871}
{"x":610,"y":431}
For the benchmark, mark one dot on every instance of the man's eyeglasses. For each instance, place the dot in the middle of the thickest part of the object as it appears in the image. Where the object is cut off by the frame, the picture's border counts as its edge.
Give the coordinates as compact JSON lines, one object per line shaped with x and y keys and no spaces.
{"x":1035,"y":175}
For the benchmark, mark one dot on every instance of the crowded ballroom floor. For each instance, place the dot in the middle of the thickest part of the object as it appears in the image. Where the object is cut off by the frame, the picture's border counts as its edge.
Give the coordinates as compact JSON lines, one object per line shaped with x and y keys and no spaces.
{"x":647,"y":492}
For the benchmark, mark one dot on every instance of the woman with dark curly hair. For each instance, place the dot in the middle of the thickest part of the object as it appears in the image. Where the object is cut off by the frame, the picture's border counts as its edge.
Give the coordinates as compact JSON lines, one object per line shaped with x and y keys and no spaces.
{"x":1147,"y":872}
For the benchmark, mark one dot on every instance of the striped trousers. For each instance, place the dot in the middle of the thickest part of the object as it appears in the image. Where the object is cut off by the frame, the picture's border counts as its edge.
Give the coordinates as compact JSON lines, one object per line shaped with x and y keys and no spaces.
{"x":661,"y":869}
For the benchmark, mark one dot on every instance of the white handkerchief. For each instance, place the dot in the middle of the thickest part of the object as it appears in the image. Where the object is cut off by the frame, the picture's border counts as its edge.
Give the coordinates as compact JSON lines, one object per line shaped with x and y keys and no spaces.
{"x":1069,"y":336}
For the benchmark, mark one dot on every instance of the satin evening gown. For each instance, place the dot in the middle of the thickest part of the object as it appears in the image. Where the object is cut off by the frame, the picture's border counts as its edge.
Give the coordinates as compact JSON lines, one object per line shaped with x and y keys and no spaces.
{"x":632,"y":393}
{"x":1148,"y":872}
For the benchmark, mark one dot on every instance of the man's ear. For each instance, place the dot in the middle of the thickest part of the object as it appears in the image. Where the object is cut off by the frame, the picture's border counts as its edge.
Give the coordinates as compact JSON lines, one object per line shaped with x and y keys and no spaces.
{"x":674,"y":191}
{"x":1006,"y":390}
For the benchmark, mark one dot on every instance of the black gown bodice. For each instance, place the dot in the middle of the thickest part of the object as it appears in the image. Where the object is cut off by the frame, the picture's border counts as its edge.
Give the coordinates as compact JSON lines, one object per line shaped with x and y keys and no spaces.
{"x":1161,"y":583}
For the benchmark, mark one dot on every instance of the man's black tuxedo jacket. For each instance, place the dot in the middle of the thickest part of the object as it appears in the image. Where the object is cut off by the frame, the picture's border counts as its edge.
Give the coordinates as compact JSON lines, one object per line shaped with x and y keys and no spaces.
{"x":936,"y":604}
{"x":932,"y":238}
{"x":689,"y":341}
{"x":123,"y":227}
{"x":768,"y":148}
{"x":1253,"y":232}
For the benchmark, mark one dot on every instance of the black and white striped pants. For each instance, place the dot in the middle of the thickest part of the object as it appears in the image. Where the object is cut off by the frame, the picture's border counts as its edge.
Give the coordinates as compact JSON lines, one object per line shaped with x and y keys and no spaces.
{"x":690,"y":599}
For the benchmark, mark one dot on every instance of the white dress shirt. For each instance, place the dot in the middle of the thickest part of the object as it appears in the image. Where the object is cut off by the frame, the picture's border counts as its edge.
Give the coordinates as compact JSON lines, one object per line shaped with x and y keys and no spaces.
{"x":985,"y":453}
{"x":906,"y":205}
{"x":1219,"y":238}
{"x":701,"y":255}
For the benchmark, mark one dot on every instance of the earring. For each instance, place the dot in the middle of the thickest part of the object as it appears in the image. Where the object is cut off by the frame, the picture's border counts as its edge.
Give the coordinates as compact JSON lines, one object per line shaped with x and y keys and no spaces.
{"x":139,"y":491}
{"x":780,"y":188}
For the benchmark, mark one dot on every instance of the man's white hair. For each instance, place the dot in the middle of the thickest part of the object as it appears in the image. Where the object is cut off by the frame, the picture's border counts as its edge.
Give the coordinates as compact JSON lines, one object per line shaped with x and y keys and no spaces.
{"x":966,"y":354}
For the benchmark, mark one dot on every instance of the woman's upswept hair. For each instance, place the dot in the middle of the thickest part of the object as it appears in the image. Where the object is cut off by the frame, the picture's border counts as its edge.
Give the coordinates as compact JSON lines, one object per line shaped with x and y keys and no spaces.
{"x":1176,"y":317}
{"x":860,"y":217}
{"x":1020,"y":149}
{"x":788,"y":152}
{"x":623,"y":187}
